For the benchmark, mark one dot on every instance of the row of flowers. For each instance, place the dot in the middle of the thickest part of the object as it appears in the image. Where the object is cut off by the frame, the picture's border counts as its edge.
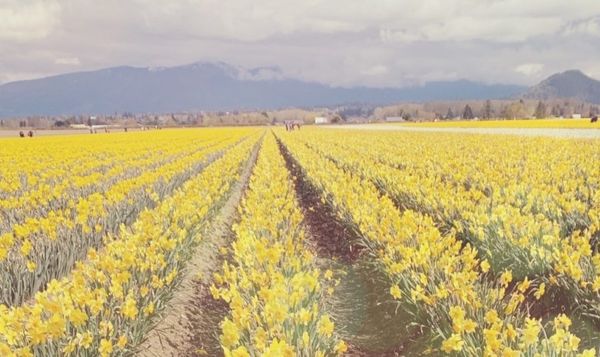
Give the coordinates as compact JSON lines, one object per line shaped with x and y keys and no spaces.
{"x":470,"y":309}
{"x":270,"y":280}
{"x":538,"y":220}
{"x":106,"y":304}
{"x":47,"y":245}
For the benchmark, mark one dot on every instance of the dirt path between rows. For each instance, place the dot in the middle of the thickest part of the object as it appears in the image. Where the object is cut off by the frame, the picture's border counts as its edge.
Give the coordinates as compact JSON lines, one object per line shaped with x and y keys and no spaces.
{"x":190,"y":326}
{"x":364,"y":315}
{"x":332,"y":238}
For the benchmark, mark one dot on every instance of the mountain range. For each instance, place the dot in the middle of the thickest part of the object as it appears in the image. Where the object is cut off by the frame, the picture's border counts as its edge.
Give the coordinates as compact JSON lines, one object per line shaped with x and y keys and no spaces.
{"x":572,"y":84}
{"x":218,"y":86}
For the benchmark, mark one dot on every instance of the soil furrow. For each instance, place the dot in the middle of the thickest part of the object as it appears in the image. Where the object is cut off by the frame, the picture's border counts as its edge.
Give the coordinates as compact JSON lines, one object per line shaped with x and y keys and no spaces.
{"x":365,"y":317}
{"x":190,"y":326}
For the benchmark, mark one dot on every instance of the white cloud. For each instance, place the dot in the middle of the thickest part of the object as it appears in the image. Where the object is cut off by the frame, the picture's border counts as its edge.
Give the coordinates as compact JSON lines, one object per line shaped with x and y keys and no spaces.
{"x":342,"y":42}
{"x":404,"y":20}
{"x":530,"y":69}
{"x":589,"y":26}
{"x":402,"y":35}
{"x":509,"y":29}
{"x":375,"y":71}
{"x":70,"y":61}
{"x":503,"y":30}
{"x":27,"y":20}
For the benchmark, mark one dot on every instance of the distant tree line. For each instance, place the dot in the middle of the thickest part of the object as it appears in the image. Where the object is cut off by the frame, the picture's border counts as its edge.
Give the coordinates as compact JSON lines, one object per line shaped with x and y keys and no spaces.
{"x":440,"y":110}
{"x":486,"y":110}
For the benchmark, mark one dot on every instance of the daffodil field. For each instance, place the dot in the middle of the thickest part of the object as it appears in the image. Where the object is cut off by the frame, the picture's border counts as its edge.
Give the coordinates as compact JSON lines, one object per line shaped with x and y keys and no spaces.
{"x":104,"y":303}
{"x":518,"y":123}
{"x":273,"y":285}
{"x":490,"y":244}
{"x":481,"y":236}
{"x":52,"y":218}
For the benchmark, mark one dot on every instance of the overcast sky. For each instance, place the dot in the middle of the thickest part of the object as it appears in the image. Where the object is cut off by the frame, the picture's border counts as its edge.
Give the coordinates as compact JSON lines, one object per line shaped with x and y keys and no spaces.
{"x":340,"y":42}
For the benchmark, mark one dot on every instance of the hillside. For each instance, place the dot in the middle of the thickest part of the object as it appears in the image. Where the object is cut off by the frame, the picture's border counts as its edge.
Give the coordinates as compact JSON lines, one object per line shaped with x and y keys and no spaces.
{"x":569,"y":84}
{"x":209,"y":87}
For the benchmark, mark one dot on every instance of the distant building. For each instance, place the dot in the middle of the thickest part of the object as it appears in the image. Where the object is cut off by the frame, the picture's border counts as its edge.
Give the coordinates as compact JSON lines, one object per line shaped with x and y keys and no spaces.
{"x":321,"y":120}
{"x":576,"y":116}
{"x":79,"y":126}
{"x":394,"y":119}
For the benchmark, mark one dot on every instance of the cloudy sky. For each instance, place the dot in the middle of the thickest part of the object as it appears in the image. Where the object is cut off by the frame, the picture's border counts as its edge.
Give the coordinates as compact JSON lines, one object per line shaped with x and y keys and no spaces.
{"x":341,"y":42}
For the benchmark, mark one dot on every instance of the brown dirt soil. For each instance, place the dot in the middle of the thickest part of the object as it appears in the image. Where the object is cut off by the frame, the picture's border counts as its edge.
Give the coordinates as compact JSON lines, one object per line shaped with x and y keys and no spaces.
{"x":190,"y":324}
{"x":333,"y":239}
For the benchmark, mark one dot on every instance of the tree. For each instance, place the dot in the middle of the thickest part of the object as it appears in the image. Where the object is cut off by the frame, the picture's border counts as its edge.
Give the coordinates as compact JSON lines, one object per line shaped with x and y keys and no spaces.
{"x":468,"y":112}
{"x":488,"y":111}
{"x":336,"y":119}
{"x":450,"y":114}
{"x":515,"y":110}
{"x":555,"y":111}
{"x":540,"y":110}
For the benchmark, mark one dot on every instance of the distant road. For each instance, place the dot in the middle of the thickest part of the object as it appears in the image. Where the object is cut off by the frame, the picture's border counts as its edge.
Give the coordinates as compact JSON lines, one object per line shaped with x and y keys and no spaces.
{"x":12,"y":133}
{"x":15,"y":133}
{"x":558,"y":133}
